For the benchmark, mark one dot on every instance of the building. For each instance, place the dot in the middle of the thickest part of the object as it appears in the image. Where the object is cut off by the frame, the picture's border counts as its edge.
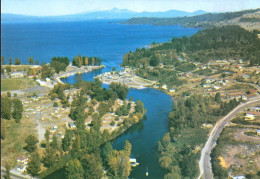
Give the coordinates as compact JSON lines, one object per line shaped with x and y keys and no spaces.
{"x":172,"y":90}
{"x":17,"y":75}
{"x":255,"y":109}
{"x":164,"y":87}
{"x":72,"y":125}
{"x":21,"y":167}
{"x":249,"y":117}
{"x":22,"y":159}
{"x":239,"y":177}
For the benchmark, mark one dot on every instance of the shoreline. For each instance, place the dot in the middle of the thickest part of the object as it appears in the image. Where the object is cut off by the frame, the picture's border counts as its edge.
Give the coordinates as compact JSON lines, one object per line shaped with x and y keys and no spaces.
{"x":76,"y":70}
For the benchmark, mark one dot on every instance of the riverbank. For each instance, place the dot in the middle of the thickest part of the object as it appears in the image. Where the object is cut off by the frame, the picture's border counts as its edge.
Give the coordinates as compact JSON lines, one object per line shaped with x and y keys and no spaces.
{"x":72,"y":70}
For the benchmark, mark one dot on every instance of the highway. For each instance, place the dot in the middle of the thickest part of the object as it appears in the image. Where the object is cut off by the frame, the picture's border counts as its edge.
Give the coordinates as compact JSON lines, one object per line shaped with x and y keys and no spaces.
{"x":205,"y":163}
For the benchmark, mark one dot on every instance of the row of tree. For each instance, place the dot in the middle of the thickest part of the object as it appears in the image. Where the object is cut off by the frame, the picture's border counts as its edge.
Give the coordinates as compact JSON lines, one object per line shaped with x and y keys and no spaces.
{"x":85,"y":61}
{"x":17,"y":61}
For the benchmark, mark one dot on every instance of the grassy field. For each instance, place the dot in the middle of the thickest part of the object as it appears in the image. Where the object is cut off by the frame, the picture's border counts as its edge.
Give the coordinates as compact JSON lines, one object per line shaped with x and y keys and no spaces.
{"x":15,"y":134}
{"x":17,"y":83}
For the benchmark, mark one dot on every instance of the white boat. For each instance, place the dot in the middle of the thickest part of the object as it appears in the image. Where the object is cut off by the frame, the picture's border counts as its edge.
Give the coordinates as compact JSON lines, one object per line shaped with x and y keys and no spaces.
{"x":146,"y":174}
{"x":133,"y":162}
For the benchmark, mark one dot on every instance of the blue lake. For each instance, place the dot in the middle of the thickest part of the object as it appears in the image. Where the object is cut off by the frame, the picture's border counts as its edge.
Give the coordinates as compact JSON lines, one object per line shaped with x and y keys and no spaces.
{"x":109,"y":41}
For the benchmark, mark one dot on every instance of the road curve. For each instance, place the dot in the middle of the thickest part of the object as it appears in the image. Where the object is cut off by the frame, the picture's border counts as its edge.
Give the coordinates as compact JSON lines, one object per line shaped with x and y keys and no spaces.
{"x":204,"y":163}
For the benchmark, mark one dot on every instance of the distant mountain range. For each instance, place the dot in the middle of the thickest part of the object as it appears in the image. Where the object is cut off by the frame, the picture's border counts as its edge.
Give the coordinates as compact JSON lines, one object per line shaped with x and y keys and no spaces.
{"x":107,"y":14}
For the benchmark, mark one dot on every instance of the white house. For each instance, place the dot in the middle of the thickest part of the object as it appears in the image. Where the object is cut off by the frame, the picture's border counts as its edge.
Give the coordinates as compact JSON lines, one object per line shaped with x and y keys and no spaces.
{"x":172,"y":90}
{"x":17,"y":75}
{"x":216,"y":87}
{"x":249,"y":117}
{"x":21,"y":167}
{"x":72,"y":125}
{"x":164,"y":87}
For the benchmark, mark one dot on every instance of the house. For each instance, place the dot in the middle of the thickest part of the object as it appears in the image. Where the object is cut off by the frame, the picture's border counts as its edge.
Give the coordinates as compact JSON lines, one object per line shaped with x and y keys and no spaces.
{"x":72,"y":125}
{"x":255,"y":109}
{"x":245,"y":76}
{"x":206,"y":85}
{"x":17,"y":75}
{"x":210,"y":80}
{"x":22,"y":159}
{"x":244,"y":98}
{"x":52,"y":131}
{"x":172,"y":90}
{"x":258,"y":131}
{"x":239,"y":177}
{"x":249,"y":117}
{"x":216,"y":87}
{"x":21,"y":167}
{"x":164,"y":87}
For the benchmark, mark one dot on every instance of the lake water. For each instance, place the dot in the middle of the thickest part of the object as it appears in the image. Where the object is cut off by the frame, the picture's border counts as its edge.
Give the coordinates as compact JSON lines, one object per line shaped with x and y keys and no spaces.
{"x":109,"y":41}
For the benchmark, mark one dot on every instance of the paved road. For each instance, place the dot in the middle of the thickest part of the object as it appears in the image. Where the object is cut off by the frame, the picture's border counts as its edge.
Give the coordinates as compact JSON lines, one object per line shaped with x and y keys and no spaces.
{"x":204,"y":163}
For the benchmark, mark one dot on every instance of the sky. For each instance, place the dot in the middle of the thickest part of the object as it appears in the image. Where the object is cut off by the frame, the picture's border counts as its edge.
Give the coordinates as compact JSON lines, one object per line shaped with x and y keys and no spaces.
{"x":64,"y":7}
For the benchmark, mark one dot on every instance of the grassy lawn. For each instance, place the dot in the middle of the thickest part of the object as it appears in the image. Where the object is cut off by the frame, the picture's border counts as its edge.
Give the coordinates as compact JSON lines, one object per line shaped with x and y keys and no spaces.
{"x":15,"y":134}
{"x":17,"y":83}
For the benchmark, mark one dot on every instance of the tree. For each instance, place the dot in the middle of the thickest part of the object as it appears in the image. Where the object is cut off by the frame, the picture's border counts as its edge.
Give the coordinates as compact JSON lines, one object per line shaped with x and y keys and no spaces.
{"x":9,"y":94}
{"x":49,"y":157}
{"x":54,"y":143}
{"x":66,"y":141}
{"x":74,"y":169}
{"x":17,"y":61}
{"x":3,"y":60}
{"x":92,"y":165}
{"x":37,"y":62}
{"x":218,"y":97}
{"x":154,"y":61}
{"x":30,"y":60}
{"x":172,"y":176}
{"x":10,"y":61}
{"x":119,"y":164}
{"x":47,"y":72}
{"x":127,"y":147}
{"x":31,"y":142}
{"x":3,"y":130}
{"x":139,"y":108}
{"x":121,"y":90}
{"x":5,"y":107}
{"x":47,"y":137}
{"x":18,"y":110}
{"x":7,"y":171}
{"x":34,"y":164}
{"x":55,"y":104}
{"x":114,"y":69}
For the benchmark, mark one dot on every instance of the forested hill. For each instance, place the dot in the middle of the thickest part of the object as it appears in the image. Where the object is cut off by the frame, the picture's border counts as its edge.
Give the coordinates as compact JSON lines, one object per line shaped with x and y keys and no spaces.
{"x":205,"y":20}
{"x":227,"y":42}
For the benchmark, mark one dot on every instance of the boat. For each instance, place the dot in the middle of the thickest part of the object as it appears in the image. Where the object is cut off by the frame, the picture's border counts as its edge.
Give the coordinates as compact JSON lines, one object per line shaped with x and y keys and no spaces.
{"x":133,"y":162}
{"x":146,"y":174}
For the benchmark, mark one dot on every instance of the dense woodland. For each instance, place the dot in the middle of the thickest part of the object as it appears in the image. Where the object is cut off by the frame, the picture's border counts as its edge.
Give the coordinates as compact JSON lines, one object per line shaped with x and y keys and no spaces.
{"x":204,"y":20}
{"x":178,"y":148}
{"x":228,"y":42}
